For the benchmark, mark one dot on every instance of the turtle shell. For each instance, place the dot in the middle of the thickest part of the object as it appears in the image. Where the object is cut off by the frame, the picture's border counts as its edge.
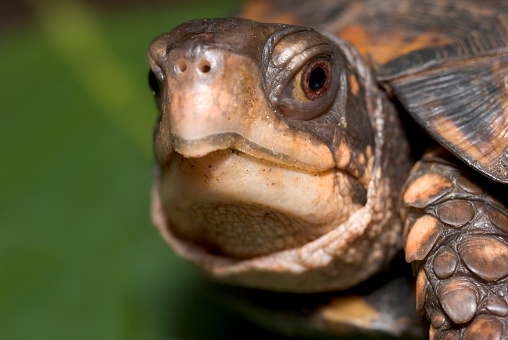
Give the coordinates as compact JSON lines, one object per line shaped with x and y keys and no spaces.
{"x":445,"y":61}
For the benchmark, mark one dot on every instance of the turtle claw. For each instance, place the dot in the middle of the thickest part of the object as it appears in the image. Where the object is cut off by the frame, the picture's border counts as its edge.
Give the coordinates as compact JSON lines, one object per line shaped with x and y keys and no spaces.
{"x":456,"y":237}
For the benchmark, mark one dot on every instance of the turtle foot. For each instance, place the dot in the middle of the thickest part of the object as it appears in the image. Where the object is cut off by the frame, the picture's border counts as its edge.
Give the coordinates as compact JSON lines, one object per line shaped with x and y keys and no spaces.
{"x":456,"y":237}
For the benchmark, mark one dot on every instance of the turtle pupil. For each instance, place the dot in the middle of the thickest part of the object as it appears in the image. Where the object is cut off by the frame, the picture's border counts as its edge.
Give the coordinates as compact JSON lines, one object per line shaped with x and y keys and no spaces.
{"x":317,"y":79}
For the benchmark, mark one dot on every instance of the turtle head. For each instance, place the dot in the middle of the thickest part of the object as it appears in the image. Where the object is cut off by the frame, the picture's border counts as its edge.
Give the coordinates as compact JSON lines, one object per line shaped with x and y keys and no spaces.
{"x":265,"y":140}
{"x":259,"y":88}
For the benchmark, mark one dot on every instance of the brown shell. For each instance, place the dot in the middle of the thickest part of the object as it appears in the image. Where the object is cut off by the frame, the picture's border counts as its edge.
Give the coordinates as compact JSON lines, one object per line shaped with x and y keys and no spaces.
{"x":446,"y":61}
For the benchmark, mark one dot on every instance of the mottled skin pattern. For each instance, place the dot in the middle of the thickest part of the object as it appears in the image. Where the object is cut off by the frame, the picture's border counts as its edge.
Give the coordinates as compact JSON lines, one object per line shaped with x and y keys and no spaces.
{"x":456,"y":238}
{"x":267,"y":185}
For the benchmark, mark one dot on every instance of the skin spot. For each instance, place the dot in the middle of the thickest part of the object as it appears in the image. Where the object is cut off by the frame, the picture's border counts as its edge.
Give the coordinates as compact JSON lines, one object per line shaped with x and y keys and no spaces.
{"x":361,"y":159}
{"x":452,"y":336}
{"x":343,"y":156}
{"x":426,"y":190}
{"x":354,"y":84}
{"x":421,"y":292}
{"x":484,"y":328}
{"x":432,"y":332}
{"x":421,"y":238}
{"x":369,"y":151}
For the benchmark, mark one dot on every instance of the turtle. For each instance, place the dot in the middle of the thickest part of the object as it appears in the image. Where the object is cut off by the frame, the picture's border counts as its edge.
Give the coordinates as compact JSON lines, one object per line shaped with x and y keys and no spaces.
{"x":302,"y":146}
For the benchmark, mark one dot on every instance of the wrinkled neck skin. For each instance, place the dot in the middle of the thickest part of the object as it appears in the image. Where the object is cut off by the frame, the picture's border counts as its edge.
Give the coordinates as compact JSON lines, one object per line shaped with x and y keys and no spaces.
{"x":256,"y":183}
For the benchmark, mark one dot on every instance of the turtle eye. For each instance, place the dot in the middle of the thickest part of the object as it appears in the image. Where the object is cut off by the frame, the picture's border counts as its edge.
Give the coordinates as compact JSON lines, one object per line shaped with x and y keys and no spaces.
{"x":316,"y":79}
{"x":309,"y":92}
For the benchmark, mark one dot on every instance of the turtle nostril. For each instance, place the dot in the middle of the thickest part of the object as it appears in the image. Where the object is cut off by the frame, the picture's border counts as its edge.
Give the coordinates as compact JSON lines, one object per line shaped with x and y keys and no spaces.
{"x":180,"y":66}
{"x":204,"y":66}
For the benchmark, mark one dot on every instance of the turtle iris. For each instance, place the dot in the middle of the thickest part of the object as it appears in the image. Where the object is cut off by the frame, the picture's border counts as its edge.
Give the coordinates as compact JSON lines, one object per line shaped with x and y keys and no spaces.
{"x":316,"y":79}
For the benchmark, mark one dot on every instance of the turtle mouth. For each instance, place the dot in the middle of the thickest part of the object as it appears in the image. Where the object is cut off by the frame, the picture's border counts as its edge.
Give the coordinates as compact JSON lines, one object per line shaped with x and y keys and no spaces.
{"x":237,"y":144}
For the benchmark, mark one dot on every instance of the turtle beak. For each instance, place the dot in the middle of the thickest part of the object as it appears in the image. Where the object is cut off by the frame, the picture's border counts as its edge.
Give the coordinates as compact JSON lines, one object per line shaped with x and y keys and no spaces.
{"x":212,"y":99}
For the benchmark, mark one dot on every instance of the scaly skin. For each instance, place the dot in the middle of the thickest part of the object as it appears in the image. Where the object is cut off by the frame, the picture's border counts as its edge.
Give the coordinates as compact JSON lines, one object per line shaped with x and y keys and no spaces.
{"x":456,"y":237}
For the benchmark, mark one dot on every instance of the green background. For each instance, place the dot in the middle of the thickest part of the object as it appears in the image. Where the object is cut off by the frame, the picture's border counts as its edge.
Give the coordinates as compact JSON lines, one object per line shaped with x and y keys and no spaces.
{"x":79,"y":257}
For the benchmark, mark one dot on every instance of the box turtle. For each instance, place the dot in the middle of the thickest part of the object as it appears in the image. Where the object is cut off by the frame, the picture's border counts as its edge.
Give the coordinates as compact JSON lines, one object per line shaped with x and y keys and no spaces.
{"x":304,"y":144}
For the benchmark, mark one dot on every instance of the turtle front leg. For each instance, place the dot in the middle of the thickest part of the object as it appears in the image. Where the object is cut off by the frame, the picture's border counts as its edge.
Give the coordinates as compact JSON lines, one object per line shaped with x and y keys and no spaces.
{"x":456,"y":237}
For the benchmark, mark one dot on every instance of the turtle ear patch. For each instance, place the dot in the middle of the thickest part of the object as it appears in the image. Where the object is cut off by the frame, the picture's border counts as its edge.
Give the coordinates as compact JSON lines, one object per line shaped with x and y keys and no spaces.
{"x":464,"y":105}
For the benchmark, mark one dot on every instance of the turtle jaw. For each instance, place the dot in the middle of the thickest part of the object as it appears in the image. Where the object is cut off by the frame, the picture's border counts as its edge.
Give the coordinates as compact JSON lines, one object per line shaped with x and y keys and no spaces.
{"x":236,"y":143}
{"x":239,"y":206}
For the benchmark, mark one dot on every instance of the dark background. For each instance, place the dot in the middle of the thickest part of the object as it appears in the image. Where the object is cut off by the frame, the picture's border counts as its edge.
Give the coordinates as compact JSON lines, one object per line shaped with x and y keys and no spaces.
{"x":79,"y":257}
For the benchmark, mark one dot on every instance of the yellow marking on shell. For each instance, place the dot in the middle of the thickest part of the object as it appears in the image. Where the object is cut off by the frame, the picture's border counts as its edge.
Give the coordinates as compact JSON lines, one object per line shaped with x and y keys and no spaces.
{"x":500,"y":70}
{"x":386,"y":47}
{"x":262,"y":11}
{"x":350,"y":310}
{"x":255,"y":10}
{"x":486,"y":152}
{"x":446,"y":128}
